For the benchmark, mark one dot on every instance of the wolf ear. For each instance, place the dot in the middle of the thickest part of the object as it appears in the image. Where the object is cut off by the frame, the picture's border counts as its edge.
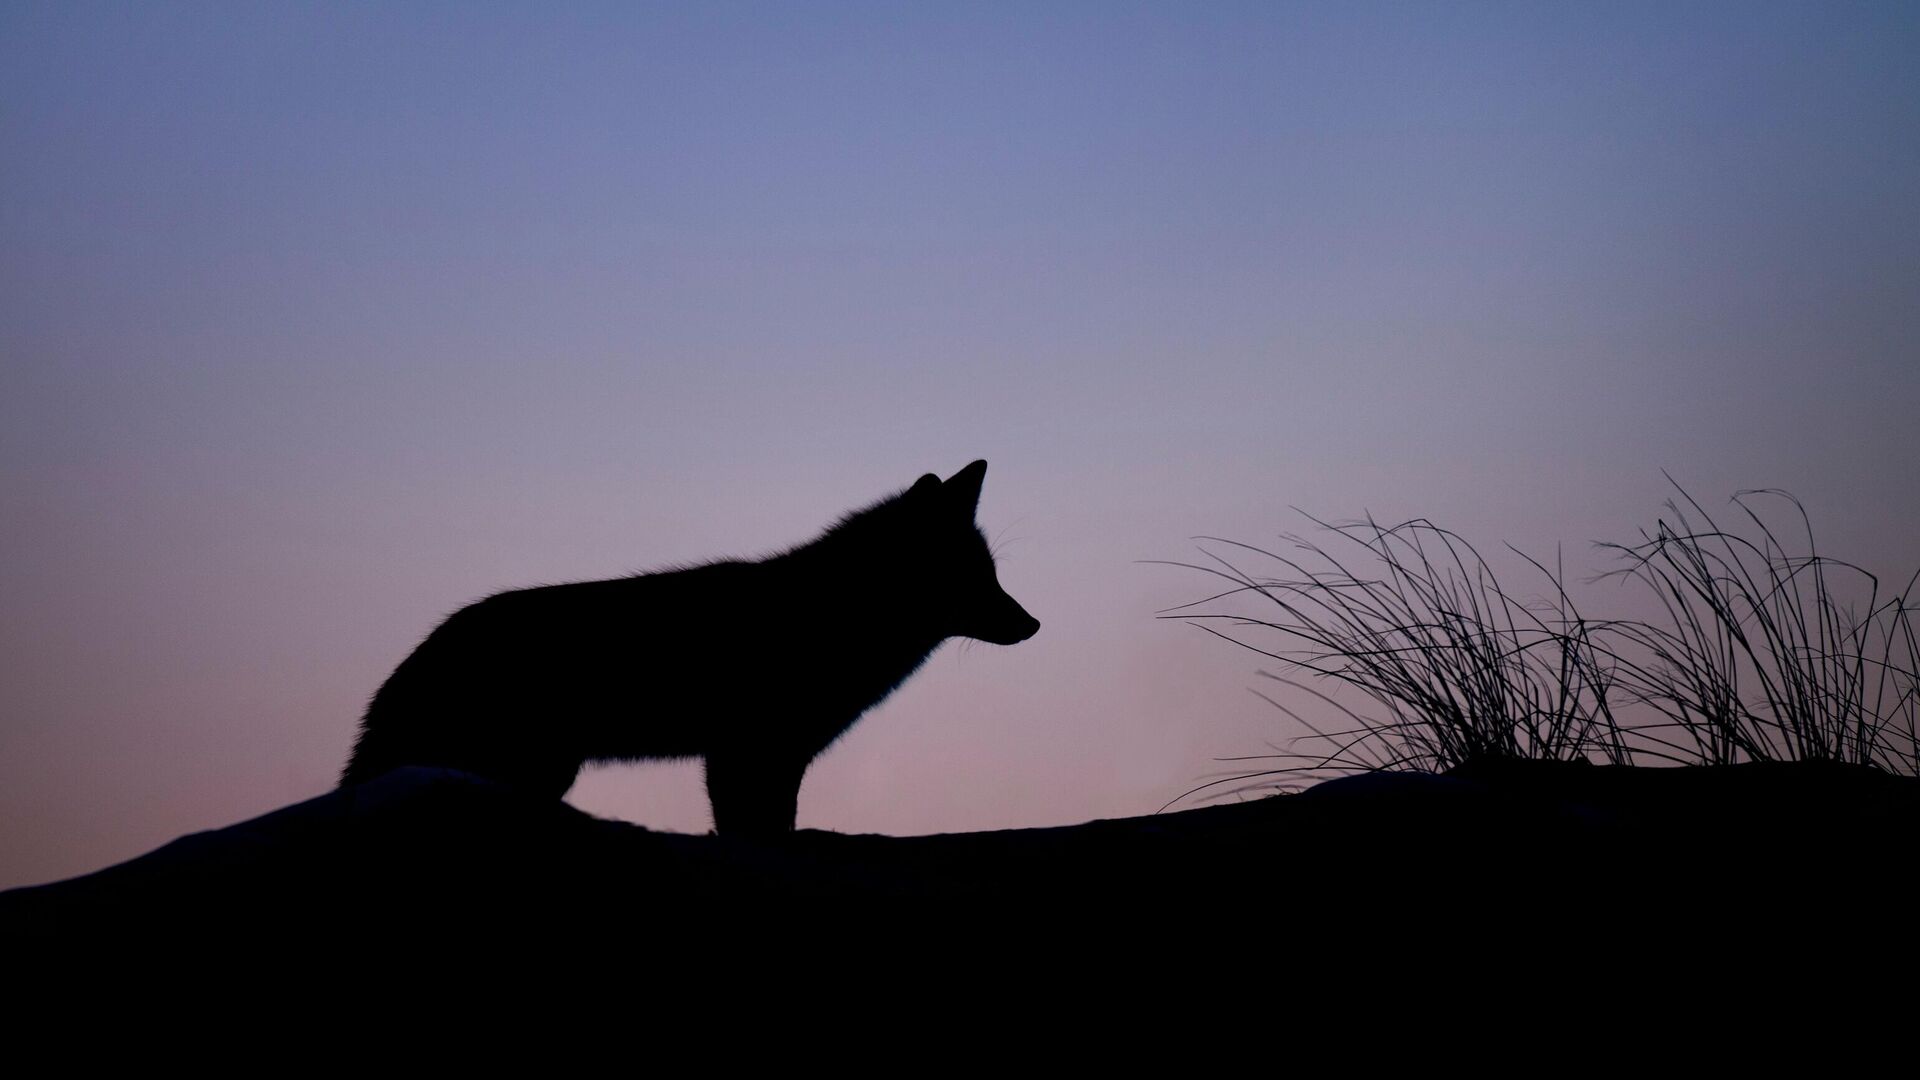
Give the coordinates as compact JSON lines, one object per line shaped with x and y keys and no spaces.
{"x":924,"y":486}
{"x":962,"y":489}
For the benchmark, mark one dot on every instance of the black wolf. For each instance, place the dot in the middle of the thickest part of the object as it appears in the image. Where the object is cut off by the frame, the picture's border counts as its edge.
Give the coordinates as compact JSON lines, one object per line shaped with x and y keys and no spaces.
{"x":756,"y":666}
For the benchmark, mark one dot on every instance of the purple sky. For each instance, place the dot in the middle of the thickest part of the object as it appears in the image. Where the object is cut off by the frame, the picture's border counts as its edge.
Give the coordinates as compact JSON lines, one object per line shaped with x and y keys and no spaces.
{"x":319,"y":321}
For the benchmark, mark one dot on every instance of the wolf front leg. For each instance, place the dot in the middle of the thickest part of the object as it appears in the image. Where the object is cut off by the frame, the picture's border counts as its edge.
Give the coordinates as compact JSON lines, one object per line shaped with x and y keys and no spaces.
{"x":754,"y":793}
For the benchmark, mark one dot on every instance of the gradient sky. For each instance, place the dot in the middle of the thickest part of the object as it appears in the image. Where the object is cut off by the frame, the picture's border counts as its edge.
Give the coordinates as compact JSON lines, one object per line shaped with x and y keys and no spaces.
{"x":319,"y":321}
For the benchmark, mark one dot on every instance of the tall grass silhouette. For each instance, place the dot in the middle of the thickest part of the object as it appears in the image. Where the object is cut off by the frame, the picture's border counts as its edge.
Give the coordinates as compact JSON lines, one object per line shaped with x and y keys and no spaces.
{"x":1410,"y":615}
{"x":1769,"y":653}
{"x":1764,"y":653}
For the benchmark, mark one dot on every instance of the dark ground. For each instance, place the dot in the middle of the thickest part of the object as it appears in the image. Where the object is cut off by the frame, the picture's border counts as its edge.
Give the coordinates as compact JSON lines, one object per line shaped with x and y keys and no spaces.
{"x":444,"y":848}
{"x":1501,"y":902}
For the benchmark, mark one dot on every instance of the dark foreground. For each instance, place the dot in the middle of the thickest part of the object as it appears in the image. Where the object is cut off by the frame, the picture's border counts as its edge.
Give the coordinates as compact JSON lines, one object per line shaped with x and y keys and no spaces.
{"x":436,"y":902}
{"x":429,"y":852}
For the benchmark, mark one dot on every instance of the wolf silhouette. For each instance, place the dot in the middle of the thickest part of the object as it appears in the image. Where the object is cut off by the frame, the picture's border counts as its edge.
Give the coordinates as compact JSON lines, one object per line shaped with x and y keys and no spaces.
{"x":755,"y":666}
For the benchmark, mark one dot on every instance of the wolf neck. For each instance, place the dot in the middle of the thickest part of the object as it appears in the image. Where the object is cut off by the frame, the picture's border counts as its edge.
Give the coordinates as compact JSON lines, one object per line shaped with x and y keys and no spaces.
{"x":856,"y":598}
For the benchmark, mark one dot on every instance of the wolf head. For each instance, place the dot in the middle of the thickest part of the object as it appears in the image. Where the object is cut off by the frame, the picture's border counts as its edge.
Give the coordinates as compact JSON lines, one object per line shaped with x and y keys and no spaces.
{"x":923,"y":542}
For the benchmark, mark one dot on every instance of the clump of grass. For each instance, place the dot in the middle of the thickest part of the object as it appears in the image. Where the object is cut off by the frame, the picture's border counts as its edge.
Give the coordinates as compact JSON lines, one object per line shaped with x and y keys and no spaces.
{"x":1411,"y":616}
{"x":1769,"y":653}
{"x":1759,"y":657}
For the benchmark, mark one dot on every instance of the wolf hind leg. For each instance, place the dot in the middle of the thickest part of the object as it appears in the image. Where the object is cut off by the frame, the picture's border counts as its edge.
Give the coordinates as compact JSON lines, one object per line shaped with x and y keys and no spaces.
{"x":754,"y":793}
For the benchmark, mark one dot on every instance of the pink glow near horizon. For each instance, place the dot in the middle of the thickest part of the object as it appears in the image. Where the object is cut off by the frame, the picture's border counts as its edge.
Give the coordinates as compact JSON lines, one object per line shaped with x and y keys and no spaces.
{"x":317,"y":324}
